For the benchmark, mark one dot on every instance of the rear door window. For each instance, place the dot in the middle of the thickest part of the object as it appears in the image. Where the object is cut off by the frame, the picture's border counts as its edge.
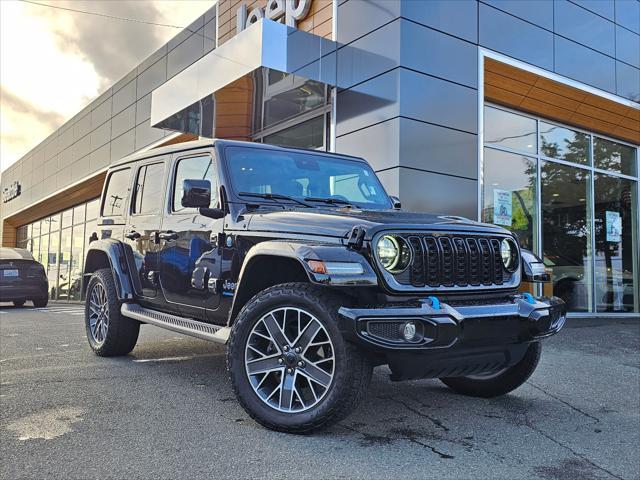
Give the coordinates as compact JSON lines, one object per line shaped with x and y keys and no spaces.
{"x":117,"y":193}
{"x":148,"y":190}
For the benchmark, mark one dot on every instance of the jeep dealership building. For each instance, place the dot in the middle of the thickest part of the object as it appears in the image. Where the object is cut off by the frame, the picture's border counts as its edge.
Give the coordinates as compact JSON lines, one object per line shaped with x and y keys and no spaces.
{"x":522,"y":114}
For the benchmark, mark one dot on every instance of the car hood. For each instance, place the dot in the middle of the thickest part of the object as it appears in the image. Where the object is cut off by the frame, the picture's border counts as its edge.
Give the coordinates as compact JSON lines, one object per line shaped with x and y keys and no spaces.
{"x":338,"y":222}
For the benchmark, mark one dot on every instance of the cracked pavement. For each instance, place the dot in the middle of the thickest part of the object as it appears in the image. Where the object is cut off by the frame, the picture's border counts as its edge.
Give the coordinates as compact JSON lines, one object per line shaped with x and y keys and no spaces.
{"x":167,"y":411}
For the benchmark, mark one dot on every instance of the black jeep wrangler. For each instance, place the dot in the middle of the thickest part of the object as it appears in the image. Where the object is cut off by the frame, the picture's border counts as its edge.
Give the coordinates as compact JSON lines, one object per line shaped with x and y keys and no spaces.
{"x":312,"y":274}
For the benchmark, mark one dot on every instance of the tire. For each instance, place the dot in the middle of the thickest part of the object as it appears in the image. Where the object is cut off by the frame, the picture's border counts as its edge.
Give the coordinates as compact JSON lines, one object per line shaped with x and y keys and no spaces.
{"x":316,"y":406}
{"x":40,"y":302}
{"x":19,"y":303}
{"x":502,"y":383}
{"x":108,"y":332}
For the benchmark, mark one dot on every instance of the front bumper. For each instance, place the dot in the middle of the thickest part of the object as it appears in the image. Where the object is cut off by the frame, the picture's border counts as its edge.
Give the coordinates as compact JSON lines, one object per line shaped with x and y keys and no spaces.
{"x":518,"y":319}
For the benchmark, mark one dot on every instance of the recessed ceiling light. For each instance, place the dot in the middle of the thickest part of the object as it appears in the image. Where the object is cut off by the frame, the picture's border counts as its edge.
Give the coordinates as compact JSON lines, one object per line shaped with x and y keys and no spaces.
{"x":581,"y":199}
{"x":556,"y":194}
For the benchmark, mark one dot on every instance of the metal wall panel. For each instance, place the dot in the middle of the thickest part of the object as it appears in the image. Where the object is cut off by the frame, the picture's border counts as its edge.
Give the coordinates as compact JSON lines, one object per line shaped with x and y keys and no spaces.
{"x":378,"y":144}
{"x":438,"y":54}
{"x":438,"y":101}
{"x":627,"y":81}
{"x":458,"y":18}
{"x":507,"y":34}
{"x":359,"y":17}
{"x":585,"y":65}
{"x":584,"y":27}
{"x":438,"y":149}
{"x":538,"y":12}
{"x":628,"y":14}
{"x":627,"y":46}
{"x":432,"y":192}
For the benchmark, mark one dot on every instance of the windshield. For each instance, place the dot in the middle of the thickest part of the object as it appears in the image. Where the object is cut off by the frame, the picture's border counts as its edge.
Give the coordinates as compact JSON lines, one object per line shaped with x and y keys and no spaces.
{"x":313,"y":178}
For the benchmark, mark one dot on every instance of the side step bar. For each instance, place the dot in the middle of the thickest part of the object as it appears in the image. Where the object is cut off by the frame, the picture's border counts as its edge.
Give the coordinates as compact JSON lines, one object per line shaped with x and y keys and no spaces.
{"x":186,"y":326}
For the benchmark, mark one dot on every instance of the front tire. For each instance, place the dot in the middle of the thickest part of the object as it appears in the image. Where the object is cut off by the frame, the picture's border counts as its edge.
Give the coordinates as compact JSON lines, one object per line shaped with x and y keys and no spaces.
{"x":109,"y":333}
{"x":290,"y":367}
{"x":499,"y":383}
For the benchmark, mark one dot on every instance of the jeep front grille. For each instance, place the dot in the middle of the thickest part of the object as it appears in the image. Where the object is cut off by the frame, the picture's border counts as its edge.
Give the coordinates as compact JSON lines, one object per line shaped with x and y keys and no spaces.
{"x":453,"y":260}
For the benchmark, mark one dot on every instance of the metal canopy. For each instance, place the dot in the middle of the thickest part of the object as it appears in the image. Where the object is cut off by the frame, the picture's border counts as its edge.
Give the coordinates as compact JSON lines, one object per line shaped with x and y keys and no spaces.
{"x":266,"y":44}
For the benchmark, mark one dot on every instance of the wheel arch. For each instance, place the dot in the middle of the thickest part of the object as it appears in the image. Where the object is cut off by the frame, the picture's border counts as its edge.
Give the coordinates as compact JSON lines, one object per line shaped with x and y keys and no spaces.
{"x":109,"y":253}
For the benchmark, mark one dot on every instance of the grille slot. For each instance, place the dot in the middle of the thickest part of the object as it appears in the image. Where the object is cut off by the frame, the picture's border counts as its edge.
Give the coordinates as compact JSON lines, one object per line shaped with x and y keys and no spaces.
{"x":454,"y":260}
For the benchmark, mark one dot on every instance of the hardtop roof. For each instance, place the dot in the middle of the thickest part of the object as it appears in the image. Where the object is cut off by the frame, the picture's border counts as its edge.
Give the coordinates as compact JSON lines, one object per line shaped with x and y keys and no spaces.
{"x":195,"y":144}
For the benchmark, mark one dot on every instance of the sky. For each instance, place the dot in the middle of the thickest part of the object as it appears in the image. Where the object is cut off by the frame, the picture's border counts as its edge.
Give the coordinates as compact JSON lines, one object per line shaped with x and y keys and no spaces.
{"x":54,"y":62}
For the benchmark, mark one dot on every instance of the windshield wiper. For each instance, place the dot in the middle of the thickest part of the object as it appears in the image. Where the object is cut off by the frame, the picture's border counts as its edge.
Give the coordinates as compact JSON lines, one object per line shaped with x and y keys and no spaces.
{"x":331,"y":201}
{"x":275,"y":196}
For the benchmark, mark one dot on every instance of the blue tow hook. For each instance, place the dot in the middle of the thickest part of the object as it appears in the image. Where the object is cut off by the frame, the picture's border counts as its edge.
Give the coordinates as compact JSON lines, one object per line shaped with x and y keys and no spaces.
{"x":435,"y":303}
{"x":528,"y":298}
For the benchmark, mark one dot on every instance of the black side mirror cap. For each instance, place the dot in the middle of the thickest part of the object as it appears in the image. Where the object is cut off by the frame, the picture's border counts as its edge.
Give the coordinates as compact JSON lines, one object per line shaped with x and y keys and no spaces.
{"x":214,"y":213}
{"x":533,"y":269}
{"x":397,"y":205}
{"x":196,"y":193}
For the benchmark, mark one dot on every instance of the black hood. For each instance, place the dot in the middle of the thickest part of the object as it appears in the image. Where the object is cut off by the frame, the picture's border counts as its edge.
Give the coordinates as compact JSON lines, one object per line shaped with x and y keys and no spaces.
{"x":338,"y":222}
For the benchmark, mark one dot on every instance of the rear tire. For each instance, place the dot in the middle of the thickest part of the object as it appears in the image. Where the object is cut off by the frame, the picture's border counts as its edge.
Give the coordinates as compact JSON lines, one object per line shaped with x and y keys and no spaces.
{"x":40,"y":302}
{"x":302,"y":308}
{"x":502,"y":383}
{"x":19,"y":303}
{"x":109,"y":333}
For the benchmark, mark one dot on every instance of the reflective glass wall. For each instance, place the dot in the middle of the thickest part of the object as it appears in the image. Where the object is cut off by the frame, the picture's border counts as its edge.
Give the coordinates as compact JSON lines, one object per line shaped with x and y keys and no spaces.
{"x":572,"y":198}
{"x":58,"y":242}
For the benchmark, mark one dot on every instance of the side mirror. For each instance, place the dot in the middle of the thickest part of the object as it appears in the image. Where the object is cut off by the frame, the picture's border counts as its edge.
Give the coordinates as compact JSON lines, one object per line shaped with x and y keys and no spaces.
{"x":397,"y":205}
{"x":533,"y":269}
{"x":196,"y":193}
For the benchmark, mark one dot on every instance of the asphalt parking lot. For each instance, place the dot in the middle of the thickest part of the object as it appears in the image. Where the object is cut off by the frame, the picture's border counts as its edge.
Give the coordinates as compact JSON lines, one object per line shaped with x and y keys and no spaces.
{"x":167,"y":411}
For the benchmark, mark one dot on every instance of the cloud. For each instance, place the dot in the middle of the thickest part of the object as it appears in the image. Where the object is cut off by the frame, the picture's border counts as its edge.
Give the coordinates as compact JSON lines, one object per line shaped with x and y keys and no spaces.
{"x":54,"y":62}
{"x":19,"y":105}
{"x":112,"y":46}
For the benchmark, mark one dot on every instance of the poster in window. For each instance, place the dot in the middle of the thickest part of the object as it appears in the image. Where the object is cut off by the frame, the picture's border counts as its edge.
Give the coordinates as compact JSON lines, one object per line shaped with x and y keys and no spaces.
{"x":614,"y":227}
{"x":502,"y":207}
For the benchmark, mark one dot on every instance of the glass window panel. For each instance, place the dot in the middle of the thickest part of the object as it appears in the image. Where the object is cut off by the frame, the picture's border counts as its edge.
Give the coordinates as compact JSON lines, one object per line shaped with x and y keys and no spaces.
{"x":309,"y":134}
{"x":148,"y":190}
{"x":53,"y":263}
{"x":77,"y":262}
{"x":509,"y":194}
{"x":35,"y":248}
{"x":78,"y":214}
{"x":200,"y":167}
{"x":565,"y":144}
{"x":67,"y":218}
{"x":22,"y":234}
{"x":117,"y":193}
{"x":287,"y":96}
{"x":614,"y":156}
{"x":43,"y":256}
{"x":92,"y":209}
{"x":64,"y":264}
{"x":36,"y":229}
{"x":54,"y":223}
{"x":616,"y":255}
{"x":506,"y":129}
{"x":566,"y":233}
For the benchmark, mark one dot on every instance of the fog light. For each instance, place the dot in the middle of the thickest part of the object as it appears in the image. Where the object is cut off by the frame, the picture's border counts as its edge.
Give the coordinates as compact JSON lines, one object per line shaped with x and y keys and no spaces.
{"x":409,"y":331}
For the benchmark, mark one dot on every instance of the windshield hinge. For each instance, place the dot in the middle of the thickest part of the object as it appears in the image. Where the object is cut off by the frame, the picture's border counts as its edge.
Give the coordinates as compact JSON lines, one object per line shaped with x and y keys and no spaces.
{"x":356,"y":237}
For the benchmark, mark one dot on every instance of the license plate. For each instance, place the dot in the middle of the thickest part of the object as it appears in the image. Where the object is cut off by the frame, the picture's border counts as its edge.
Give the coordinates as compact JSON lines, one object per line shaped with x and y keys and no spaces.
{"x":10,"y":273}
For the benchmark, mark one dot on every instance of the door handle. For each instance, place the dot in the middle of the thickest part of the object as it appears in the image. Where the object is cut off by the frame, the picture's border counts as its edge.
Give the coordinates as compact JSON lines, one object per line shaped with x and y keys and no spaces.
{"x":168,"y":235}
{"x":132,"y":235}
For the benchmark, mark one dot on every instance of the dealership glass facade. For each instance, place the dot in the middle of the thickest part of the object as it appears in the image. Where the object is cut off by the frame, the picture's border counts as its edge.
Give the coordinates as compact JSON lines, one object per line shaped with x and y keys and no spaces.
{"x":58,"y":242}
{"x":571,"y":197}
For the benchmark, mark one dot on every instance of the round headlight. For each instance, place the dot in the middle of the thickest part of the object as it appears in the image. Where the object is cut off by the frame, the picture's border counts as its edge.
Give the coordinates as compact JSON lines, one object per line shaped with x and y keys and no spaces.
{"x":508,"y":252}
{"x":394,"y":254}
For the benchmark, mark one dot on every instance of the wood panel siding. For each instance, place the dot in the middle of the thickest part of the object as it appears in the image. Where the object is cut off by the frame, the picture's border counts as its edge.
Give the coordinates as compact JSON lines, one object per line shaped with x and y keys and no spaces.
{"x":318,"y":21}
{"x":521,"y":90}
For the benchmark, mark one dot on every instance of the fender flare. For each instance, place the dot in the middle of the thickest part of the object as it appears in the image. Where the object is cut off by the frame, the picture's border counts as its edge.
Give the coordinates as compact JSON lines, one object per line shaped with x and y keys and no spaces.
{"x":121,"y":265}
{"x":301,"y":252}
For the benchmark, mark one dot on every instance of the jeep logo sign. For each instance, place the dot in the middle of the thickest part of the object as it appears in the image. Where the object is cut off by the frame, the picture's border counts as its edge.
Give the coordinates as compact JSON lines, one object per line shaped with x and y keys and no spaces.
{"x":11,"y":192}
{"x":291,"y":11}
